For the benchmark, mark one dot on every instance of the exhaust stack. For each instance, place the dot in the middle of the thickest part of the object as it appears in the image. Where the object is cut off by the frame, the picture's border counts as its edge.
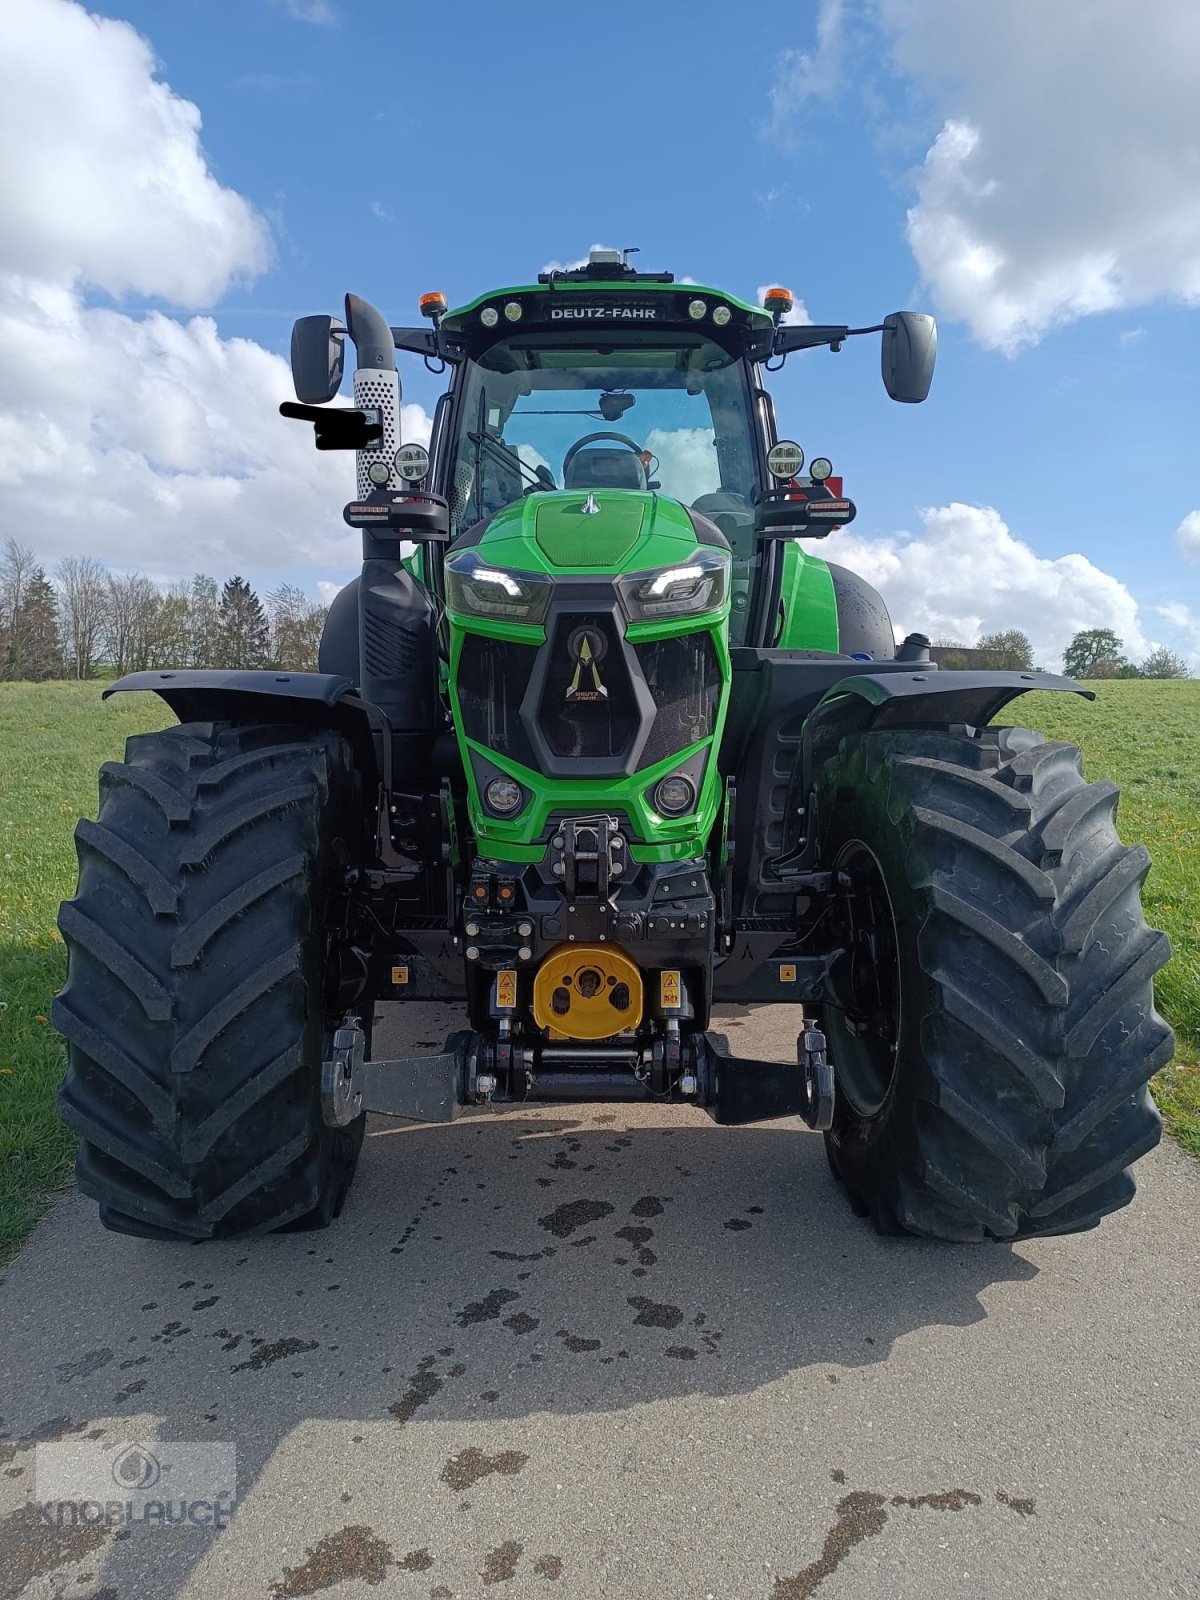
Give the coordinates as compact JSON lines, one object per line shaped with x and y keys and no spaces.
{"x":376,"y":388}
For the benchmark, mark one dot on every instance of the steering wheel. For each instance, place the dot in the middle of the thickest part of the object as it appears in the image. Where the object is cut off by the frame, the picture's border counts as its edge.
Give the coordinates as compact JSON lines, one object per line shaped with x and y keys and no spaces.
{"x":591,"y":438}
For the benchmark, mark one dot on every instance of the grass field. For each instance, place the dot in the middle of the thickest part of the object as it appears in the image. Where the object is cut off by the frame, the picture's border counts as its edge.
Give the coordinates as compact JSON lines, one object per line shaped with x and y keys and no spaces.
{"x":53,"y":738}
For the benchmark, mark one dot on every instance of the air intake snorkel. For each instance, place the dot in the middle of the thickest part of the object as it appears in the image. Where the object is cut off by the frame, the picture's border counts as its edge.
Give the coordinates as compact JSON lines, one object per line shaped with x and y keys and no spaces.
{"x":376,"y":391}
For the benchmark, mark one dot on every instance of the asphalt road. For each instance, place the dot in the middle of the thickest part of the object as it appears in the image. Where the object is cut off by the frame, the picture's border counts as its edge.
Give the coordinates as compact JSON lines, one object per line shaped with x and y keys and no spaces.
{"x":619,"y":1351}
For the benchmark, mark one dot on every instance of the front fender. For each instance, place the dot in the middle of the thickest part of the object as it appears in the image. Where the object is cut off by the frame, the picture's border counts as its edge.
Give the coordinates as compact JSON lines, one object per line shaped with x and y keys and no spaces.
{"x":309,"y":699}
{"x":927,"y":698}
{"x":193,"y":693}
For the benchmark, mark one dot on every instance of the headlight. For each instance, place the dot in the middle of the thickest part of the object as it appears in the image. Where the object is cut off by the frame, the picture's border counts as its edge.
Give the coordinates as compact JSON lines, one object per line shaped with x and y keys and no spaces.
{"x":412,"y":462}
{"x":785,"y":459}
{"x":698,"y":584}
{"x":477,"y":590}
{"x":503,"y":796}
{"x":697,"y":309}
{"x":489,"y":316}
{"x":674,"y":796}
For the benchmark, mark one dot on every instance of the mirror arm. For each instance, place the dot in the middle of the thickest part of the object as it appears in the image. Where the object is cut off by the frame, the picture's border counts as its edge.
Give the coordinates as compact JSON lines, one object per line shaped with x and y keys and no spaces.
{"x":419,"y":342}
{"x":809,"y":336}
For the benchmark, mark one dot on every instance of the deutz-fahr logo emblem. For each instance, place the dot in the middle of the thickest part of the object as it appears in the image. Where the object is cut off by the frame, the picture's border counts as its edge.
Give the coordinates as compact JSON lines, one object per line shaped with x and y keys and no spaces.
{"x":587,"y":648}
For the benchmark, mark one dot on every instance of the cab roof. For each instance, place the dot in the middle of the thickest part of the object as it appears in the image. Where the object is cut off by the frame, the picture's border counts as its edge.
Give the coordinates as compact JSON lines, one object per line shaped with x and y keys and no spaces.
{"x":610,"y":296}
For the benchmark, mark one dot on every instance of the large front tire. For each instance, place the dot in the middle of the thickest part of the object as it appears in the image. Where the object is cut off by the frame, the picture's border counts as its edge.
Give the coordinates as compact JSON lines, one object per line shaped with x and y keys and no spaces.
{"x":197,"y":1007}
{"x":997,"y":1029}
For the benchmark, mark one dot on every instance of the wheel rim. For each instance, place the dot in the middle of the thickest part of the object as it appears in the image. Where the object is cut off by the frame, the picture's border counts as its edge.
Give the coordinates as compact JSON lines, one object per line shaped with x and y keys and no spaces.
{"x":866,"y":1019}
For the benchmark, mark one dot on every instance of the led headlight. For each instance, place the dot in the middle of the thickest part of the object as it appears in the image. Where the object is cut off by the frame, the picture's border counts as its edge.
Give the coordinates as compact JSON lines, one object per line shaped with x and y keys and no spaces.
{"x":721,"y":315}
{"x":699,"y":583}
{"x":820,"y":469}
{"x":785,"y":459}
{"x":673,"y":796}
{"x":412,"y":462}
{"x":503,"y":796}
{"x":513,"y":311}
{"x":475,"y":589}
{"x":489,"y":316}
{"x":379,"y":472}
{"x":697,"y":309}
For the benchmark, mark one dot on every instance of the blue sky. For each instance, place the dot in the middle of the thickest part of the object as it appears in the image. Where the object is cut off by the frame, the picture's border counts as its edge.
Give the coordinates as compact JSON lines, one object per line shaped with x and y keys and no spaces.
{"x":391,"y":149}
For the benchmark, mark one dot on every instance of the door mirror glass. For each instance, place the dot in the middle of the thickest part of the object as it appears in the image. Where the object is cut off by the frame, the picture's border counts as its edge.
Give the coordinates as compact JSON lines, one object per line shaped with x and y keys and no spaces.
{"x":909,"y":352}
{"x":318,"y":357}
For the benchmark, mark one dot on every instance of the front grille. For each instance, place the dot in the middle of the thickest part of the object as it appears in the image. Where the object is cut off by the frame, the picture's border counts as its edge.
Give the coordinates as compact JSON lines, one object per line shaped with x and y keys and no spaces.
{"x":588,"y":708}
{"x":684,"y":679}
{"x":589,"y":705}
{"x":493,"y":676}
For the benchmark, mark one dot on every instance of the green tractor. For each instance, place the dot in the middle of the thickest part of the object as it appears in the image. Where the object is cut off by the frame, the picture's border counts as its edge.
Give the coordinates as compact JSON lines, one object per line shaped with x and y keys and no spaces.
{"x":599,"y":742}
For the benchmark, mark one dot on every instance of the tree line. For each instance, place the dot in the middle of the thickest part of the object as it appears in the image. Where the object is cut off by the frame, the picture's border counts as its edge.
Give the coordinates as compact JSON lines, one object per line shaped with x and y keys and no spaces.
{"x":86,"y":618}
{"x":1092,"y":653}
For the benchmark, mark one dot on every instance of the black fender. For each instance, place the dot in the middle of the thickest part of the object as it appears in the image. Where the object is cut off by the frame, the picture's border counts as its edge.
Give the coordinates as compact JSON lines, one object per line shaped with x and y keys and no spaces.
{"x":926,"y":698}
{"x":308,"y":699}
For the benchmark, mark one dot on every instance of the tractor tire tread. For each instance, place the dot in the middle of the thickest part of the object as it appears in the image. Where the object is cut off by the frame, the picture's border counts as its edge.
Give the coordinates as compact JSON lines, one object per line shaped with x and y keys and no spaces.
{"x":193,"y":1036}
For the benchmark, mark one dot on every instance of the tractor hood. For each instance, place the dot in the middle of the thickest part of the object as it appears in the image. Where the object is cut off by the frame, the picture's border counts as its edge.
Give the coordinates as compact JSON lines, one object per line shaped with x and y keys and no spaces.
{"x":600,"y":531}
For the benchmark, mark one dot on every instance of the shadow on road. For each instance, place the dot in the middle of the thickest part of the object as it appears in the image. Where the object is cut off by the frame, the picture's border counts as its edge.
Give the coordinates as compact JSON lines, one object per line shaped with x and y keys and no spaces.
{"x":505,"y":1265}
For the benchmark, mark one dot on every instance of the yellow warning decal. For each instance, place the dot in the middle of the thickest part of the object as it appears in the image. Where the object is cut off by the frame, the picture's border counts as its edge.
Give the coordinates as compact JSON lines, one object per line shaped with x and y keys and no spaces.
{"x":399,"y":975}
{"x":787,"y":973}
{"x":506,"y":989}
{"x":668,"y":990}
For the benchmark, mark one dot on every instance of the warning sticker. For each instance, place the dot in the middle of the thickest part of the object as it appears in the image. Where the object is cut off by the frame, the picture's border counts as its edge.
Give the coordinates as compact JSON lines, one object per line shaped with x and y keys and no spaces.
{"x":399,"y":975}
{"x":506,"y":989}
{"x":668,"y":989}
{"x":787,"y":973}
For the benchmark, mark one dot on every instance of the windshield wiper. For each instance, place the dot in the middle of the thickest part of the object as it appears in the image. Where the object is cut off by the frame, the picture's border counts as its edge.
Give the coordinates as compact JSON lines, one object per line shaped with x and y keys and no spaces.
{"x":482,"y":440}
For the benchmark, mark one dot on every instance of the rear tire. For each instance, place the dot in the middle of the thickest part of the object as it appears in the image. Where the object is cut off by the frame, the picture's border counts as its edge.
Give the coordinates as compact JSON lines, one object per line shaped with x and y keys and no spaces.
{"x":196,"y":1010}
{"x":996,"y":1086}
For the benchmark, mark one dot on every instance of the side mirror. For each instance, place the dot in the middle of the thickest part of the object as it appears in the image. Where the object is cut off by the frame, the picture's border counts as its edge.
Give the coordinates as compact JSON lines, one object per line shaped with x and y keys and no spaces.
{"x":908,"y":354}
{"x":318,"y":358}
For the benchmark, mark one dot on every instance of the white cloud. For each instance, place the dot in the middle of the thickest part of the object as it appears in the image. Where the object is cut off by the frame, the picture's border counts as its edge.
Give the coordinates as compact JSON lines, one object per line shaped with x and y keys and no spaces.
{"x":687,"y":462}
{"x":1187,"y":623}
{"x":144,"y":441}
{"x":102,"y":177}
{"x":805,"y":75}
{"x":319,"y":11}
{"x":1131,"y":336}
{"x":1063,"y":181}
{"x":797,"y":317}
{"x":1187,"y":536}
{"x":378,"y":209}
{"x":533,"y":459}
{"x":1175,"y":613}
{"x":967,"y":574}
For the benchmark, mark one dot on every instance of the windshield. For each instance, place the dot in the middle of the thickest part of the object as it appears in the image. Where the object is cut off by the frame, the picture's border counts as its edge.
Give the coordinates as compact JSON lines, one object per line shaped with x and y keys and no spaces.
{"x":667,"y":416}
